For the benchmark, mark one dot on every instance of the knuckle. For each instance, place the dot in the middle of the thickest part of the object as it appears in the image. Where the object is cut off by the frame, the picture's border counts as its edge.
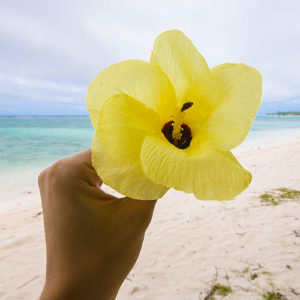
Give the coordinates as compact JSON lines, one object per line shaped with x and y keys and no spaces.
{"x":59,"y":170}
{"x":42,"y":177}
{"x":58,"y":166}
{"x":56,"y":171}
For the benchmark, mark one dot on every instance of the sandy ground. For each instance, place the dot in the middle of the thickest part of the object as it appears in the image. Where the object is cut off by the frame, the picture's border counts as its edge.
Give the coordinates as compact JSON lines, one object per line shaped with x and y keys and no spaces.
{"x":191,"y":246}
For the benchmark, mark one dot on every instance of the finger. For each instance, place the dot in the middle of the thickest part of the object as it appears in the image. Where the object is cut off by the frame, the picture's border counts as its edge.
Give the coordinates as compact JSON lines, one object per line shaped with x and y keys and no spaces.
{"x":83,"y":159}
{"x":99,"y":182}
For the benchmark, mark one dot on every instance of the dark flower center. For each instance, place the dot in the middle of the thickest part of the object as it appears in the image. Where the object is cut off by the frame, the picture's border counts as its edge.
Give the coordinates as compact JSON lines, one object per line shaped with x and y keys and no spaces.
{"x":186,"y":135}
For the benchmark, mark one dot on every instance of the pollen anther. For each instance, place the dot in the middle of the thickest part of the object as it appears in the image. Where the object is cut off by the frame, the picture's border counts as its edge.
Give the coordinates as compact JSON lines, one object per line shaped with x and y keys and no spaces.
{"x":178,"y":121}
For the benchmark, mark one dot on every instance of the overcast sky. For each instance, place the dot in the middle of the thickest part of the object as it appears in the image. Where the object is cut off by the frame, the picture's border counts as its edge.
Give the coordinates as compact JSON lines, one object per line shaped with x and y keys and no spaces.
{"x":51,"y":50}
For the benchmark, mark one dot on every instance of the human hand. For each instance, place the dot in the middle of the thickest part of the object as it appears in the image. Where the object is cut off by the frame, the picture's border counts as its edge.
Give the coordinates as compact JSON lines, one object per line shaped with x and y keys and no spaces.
{"x":93,"y":239}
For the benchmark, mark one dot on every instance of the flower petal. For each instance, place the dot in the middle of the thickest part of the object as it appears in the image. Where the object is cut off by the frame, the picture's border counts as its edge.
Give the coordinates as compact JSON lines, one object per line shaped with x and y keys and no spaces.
{"x":237,"y":101}
{"x":186,"y":68}
{"x":123,"y":124}
{"x":138,"y":79}
{"x":211,"y":175}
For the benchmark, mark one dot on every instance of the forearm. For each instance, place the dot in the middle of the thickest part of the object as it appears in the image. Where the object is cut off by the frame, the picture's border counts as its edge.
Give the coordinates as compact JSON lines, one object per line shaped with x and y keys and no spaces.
{"x":91,"y":287}
{"x":90,"y":280}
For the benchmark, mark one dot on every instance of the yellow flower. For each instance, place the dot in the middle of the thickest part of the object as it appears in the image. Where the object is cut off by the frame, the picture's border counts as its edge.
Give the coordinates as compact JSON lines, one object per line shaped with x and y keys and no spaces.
{"x":172,"y":122}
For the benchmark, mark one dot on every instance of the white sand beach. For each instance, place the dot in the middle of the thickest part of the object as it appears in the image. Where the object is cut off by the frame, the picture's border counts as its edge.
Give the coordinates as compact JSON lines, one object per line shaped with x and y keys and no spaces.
{"x":250,"y":246}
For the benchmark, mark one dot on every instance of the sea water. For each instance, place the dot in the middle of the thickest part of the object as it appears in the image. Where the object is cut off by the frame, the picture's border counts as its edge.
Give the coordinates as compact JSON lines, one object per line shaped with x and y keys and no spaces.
{"x":30,"y":144}
{"x":38,"y":141}
{"x":34,"y":141}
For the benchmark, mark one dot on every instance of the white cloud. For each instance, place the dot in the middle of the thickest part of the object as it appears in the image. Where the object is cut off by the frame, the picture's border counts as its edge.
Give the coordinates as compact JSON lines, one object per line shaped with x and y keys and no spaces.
{"x":50,"y":50}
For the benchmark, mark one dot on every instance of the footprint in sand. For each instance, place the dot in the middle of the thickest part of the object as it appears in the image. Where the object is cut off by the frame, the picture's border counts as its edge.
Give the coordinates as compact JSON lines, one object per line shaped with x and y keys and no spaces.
{"x":137,"y":289}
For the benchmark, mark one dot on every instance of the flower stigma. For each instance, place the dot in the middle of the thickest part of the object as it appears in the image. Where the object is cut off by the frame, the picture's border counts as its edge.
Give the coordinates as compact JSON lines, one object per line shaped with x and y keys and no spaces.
{"x":175,"y":131}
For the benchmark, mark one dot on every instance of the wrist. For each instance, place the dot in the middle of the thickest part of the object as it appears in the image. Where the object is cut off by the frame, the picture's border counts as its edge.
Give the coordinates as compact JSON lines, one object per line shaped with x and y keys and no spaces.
{"x":87,"y":287}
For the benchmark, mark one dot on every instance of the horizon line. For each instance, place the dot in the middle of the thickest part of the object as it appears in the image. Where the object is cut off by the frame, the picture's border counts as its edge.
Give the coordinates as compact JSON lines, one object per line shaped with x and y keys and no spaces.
{"x":86,"y":115}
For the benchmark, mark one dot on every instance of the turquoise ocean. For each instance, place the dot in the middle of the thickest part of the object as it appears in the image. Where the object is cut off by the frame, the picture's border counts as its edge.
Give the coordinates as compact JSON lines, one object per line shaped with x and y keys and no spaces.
{"x":38,"y":141}
{"x":30,"y":144}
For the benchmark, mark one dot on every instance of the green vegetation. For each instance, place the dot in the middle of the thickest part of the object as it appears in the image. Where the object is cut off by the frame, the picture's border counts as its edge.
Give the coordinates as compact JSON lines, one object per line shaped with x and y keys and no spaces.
{"x":218,"y":289}
{"x":265,"y":273}
{"x":280,"y":195}
{"x":253,"y":276}
{"x":288,"y":193}
{"x":273,"y":296}
{"x":269,"y":199}
{"x":222,"y":290}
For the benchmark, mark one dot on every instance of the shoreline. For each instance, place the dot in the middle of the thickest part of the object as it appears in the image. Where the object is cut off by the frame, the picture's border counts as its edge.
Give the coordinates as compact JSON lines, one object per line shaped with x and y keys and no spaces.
{"x":26,"y":178}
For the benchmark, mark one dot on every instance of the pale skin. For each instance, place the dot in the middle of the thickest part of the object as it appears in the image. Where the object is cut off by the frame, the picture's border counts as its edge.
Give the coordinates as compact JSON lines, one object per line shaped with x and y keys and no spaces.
{"x":93,"y":239}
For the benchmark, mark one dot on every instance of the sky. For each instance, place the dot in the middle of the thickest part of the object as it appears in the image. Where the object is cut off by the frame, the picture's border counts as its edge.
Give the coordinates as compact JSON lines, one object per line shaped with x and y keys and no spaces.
{"x":51,"y":50}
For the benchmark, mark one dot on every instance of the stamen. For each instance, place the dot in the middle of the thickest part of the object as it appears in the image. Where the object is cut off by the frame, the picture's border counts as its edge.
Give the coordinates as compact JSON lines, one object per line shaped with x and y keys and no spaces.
{"x":178,"y":121}
{"x":186,"y":105}
{"x":186,"y":135}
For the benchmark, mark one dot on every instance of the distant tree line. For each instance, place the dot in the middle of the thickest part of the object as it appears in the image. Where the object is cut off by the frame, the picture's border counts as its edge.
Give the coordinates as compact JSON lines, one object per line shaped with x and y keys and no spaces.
{"x":287,"y":113}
